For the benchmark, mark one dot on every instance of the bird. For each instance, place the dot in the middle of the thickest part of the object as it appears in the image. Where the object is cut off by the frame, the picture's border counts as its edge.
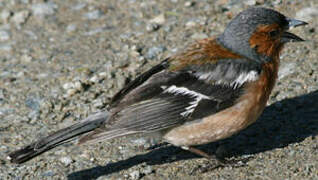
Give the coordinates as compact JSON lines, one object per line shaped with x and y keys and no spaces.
{"x":209,"y":91}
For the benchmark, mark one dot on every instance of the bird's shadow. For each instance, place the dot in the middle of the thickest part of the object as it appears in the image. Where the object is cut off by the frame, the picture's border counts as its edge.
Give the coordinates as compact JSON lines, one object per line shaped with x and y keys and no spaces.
{"x":282,"y":123}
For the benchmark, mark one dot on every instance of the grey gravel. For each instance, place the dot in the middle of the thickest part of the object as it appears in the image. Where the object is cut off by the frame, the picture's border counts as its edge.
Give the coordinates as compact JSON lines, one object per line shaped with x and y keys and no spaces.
{"x":63,"y":60}
{"x":42,"y":9}
{"x":308,"y":13}
{"x":4,"y":35}
{"x":20,"y":17}
{"x":93,"y":15}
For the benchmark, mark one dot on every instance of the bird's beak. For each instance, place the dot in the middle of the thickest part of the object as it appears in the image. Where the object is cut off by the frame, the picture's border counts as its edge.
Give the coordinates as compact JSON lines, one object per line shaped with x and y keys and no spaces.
{"x":290,"y":37}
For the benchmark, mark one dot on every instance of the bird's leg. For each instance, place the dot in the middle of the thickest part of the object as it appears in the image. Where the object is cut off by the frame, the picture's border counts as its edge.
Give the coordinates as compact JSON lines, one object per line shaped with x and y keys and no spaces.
{"x":218,"y":161}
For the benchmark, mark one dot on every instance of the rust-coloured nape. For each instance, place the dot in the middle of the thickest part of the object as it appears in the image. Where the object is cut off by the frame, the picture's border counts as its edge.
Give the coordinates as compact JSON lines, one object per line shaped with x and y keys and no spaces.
{"x":202,"y":52}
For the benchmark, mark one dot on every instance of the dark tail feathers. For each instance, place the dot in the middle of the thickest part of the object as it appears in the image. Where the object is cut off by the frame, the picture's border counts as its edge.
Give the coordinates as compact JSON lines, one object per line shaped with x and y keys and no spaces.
{"x":60,"y":137}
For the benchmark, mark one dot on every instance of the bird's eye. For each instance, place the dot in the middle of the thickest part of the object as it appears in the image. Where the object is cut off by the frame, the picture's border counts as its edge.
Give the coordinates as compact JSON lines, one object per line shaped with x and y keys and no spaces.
{"x":274,"y":33}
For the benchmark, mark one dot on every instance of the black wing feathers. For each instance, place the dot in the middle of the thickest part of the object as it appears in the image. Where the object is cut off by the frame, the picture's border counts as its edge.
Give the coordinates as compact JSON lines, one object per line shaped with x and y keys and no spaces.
{"x":138,"y":81}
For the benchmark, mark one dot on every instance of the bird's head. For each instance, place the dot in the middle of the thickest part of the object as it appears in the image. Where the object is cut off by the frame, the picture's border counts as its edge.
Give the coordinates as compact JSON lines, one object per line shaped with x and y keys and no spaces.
{"x":259,"y":33}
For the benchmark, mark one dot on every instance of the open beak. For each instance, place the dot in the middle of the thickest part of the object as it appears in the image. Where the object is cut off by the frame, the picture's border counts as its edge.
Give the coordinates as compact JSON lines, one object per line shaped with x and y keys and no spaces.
{"x":290,"y":37}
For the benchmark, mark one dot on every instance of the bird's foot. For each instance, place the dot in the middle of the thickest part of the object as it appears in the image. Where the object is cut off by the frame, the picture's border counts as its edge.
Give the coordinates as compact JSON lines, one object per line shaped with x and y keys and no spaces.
{"x":215,"y":161}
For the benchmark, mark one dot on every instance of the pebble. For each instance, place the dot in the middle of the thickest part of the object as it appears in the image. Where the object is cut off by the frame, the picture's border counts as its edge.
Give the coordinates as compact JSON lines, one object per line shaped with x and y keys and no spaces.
{"x":152,"y":27}
{"x":68,"y":85}
{"x":155,"y":51}
{"x":4,"y":35}
{"x":33,"y":116}
{"x":5,"y":47}
{"x":31,"y":34}
{"x":159,"y":19}
{"x":78,"y":85}
{"x":66,"y":160}
{"x":94,"y":31}
{"x":94,"y":79}
{"x":148,"y":170}
{"x":139,"y":141}
{"x":103,"y":74}
{"x":43,"y":9}
{"x":48,"y":173}
{"x":199,"y":36}
{"x":25,"y":1}
{"x":190,"y":24}
{"x":70,"y":92}
{"x":250,"y":2}
{"x":286,"y":69}
{"x":96,"y":14}
{"x":98,"y":103}
{"x":33,"y":103}
{"x":5,"y":15}
{"x":20,"y":17}
{"x":189,"y":3}
{"x":307,"y":14}
{"x":135,"y":174}
{"x":71,"y":28}
{"x":79,"y":6}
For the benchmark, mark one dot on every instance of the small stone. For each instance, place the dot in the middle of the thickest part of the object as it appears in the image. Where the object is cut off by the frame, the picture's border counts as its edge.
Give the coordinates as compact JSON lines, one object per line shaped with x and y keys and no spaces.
{"x":135,"y":175}
{"x":199,"y":36}
{"x":148,"y":170}
{"x":286,"y":69}
{"x":155,"y":51}
{"x":68,"y":86}
{"x":139,"y":141}
{"x":159,"y":19}
{"x":70,"y":92}
{"x":5,"y":47}
{"x":93,"y":15}
{"x":98,"y":103}
{"x":190,"y":24}
{"x":25,"y":1}
{"x":79,"y":6}
{"x":33,"y":103}
{"x":31,"y":34}
{"x":43,"y":9}
{"x":78,"y":85}
{"x":34,"y":116}
{"x":5,"y":15}
{"x":250,"y":2}
{"x":20,"y":17}
{"x":152,"y":27}
{"x":307,"y":14}
{"x":94,"y":79}
{"x":189,"y":3}
{"x":4,"y":35}
{"x":71,"y":28}
{"x":221,"y":2}
{"x":94,"y":31}
{"x":66,"y":160}
{"x":102,"y":74}
{"x":48,"y":173}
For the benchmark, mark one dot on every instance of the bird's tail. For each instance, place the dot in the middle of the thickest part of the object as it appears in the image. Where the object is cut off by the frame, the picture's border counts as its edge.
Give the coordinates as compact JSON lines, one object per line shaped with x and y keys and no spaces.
{"x":60,"y":137}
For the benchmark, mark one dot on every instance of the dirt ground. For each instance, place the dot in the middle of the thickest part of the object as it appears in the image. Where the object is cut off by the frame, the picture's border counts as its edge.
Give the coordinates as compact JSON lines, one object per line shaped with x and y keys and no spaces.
{"x":63,"y":60}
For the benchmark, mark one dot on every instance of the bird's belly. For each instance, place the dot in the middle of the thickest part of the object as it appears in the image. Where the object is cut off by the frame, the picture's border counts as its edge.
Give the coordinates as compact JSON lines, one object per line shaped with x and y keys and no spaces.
{"x":224,"y":123}
{"x":215,"y":127}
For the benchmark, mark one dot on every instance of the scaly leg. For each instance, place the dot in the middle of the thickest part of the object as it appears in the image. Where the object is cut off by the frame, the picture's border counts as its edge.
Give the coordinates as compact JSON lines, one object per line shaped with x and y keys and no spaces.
{"x":217,"y":160}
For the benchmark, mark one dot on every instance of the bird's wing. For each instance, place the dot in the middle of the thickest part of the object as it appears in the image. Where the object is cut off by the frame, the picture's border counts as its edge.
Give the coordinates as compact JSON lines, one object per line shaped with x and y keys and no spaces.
{"x":137,"y":82}
{"x":169,"y":98}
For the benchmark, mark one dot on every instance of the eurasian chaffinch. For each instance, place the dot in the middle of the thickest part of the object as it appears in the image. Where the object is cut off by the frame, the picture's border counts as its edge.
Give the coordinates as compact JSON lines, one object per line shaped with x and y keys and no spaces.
{"x":210,"y":91}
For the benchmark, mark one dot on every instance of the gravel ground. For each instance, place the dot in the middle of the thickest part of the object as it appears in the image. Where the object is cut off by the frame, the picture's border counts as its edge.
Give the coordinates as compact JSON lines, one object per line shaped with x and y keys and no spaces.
{"x":63,"y":60}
